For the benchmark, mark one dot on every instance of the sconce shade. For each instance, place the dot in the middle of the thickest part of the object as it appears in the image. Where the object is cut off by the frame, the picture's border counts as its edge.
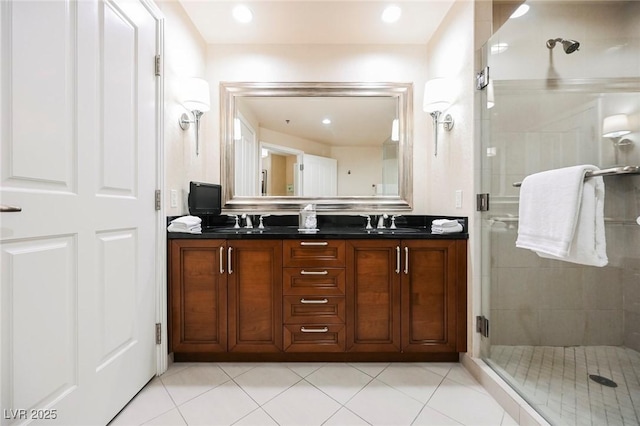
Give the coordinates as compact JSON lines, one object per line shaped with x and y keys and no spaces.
{"x":395,"y":130}
{"x":437,"y":95}
{"x":195,"y":95}
{"x":615,"y":126}
{"x":237,"y":129}
{"x":491,"y":97}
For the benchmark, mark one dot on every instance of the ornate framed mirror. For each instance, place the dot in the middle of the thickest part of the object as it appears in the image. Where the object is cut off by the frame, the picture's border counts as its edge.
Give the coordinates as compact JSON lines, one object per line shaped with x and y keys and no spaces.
{"x":340,"y":146}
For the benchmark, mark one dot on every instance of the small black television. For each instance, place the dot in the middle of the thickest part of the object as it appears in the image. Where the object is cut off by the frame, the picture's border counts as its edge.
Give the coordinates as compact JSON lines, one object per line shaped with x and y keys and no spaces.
{"x":204,"y":199}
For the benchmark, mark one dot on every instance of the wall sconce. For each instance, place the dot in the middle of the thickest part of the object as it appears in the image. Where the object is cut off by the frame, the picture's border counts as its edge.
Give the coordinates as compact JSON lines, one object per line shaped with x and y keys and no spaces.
{"x":615,"y":127}
{"x":437,"y":95}
{"x":195,"y":98}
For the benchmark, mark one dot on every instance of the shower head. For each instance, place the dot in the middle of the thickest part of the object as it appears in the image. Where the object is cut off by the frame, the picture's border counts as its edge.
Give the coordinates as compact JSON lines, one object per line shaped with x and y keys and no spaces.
{"x":569,"y":46}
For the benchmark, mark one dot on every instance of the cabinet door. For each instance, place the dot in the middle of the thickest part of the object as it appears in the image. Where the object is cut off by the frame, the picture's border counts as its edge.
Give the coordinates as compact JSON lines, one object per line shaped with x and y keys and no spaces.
{"x":373,"y":296}
{"x":255,"y":295}
{"x":429,"y":295}
{"x":198,"y":291}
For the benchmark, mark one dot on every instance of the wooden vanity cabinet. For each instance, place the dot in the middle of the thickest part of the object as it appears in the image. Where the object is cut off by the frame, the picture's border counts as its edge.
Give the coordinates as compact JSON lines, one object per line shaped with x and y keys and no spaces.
{"x":198,"y":296}
{"x":314,"y":295}
{"x":433,"y":289}
{"x":373,"y":283}
{"x":406,"y":296}
{"x":382,"y":299}
{"x":254,"y":295}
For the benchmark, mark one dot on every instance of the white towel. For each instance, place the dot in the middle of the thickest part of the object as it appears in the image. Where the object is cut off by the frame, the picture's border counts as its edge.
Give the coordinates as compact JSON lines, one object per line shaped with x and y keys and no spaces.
{"x":189,"y":224}
{"x":444,"y":223}
{"x":562,"y":216}
{"x":197,"y":229}
{"x":446,"y":229}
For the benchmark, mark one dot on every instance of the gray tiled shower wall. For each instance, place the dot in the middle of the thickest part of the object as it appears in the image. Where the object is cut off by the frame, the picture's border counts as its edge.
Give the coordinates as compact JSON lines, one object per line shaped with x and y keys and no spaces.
{"x":536,"y":301}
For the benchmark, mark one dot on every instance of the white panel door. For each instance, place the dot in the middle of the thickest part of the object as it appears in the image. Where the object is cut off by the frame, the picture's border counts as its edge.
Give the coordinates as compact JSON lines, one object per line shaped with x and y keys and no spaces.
{"x":247,"y":181}
{"x":319,"y":176}
{"x":78,"y":139}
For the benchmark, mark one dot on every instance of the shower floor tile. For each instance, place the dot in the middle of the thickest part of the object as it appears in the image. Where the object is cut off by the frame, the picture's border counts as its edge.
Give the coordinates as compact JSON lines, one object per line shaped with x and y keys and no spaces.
{"x":556,"y":380}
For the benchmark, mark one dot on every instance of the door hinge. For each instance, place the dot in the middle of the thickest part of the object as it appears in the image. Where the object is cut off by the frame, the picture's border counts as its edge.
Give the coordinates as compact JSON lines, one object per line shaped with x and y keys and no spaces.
{"x":158,"y":333}
{"x":482,"y":326}
{"x":158,"y":61}
{"x":482,"y":79}
{"x":158,"y":199}
{"x":482,"y":202}
{"x":302,"y":167}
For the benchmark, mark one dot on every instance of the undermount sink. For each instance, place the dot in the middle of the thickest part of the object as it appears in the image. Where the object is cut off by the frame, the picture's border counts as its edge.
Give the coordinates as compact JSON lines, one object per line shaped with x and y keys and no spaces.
{"x":328,"y":230}
{"x":394,"y":231}
{"x":234,"y":230}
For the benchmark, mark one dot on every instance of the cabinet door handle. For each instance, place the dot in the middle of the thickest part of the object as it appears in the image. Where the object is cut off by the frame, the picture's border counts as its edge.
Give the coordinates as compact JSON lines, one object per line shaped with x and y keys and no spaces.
{"x":221,"y":260}
{"x":397,"y":259}
{"x":314,"y":243}
{"x":315,"y":301}
{"x":314,"y":330}
{"x":229,"y":250}
{"x":303,"y":272}
{"x":406,"y":260}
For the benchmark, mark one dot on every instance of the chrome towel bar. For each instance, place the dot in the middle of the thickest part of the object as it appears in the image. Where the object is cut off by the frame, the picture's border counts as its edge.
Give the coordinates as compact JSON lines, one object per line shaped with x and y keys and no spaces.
{"x":623,"y":170}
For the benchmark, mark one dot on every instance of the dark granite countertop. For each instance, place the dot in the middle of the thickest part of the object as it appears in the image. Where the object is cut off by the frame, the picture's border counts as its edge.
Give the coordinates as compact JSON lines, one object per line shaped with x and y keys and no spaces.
{"x":329,"y":227}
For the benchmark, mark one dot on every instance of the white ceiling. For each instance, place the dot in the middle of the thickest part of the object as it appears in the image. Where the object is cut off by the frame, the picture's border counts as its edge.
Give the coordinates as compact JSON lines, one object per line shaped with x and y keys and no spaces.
{"x":316,"y":22}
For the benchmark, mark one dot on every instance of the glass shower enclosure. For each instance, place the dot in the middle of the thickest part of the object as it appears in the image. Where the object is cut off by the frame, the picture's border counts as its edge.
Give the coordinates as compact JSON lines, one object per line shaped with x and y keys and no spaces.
{"x":565,"y":336}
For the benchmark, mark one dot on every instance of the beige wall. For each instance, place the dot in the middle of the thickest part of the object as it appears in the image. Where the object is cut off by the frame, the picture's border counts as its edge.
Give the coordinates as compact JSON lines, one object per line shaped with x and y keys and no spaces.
{"x":331,"y":63}
{"x":184,"y":57}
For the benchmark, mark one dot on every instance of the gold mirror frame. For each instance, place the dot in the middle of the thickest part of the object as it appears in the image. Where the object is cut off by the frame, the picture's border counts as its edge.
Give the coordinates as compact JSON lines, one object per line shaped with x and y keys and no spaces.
{"x":403,"y":92}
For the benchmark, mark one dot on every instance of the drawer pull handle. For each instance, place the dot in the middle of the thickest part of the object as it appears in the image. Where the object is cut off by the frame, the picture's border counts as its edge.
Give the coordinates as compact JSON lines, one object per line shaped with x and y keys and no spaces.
{"x":397,"y":259}
{"x":314,"y":243}
{"x":314,"y":330}
{"x":230,"y":250}
{"x":303,"y":272}
{"x":319,"y":302}
{"x":221,"y":260}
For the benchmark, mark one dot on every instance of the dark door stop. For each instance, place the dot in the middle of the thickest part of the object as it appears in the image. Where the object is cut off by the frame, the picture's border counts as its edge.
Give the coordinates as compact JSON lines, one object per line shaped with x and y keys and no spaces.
{"x":603,"y":381}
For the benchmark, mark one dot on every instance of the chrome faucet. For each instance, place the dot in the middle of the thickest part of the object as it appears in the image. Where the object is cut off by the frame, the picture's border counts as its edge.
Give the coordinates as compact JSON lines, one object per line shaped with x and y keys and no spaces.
{"x":261,"y":224}
{"x":235,"y":217}
{"x":368,"y":225}
{"x":393,"y":221}
{"x":247,"y":219}
{"x":381,"y":219}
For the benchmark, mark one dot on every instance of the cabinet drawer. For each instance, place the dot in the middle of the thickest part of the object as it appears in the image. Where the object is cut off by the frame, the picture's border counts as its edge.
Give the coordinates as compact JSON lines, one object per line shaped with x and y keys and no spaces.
{"x":314,"y":310}
{"x":314,"y":253}
{"x":314,"y":338}
{"x":316,"y":281}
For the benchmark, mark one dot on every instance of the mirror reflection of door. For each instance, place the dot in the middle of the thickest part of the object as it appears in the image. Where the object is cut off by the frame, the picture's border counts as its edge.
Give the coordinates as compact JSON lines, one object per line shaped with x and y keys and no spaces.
{"x":278,"y":175}
{"x":246,"y":160}
{"x":319,"y":176}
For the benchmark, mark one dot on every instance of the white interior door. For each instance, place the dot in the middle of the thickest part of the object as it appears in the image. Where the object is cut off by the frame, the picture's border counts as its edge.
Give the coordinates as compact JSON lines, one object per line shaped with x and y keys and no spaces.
{"x":319,"y":176}
{"x":78,"y":140}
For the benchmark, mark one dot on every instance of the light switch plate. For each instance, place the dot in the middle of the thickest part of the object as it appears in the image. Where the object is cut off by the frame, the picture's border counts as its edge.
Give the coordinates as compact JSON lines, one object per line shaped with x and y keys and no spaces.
{"x":174,"y":198}
{"x":458,"y":199}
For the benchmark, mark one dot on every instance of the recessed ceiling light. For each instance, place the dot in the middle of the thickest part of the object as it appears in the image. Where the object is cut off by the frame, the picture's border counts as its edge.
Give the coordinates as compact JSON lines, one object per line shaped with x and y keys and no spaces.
{"x":391,"y":14}
{"x":326,"y":121}
{"x":521,"y":10}
{"x":243,"y":14}
{"x":499,"y":48}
